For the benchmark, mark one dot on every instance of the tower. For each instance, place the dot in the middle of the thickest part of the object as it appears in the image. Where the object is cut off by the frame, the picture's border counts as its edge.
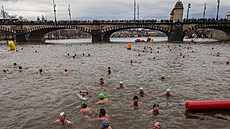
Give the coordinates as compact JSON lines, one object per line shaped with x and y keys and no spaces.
{"x":177,"y":12}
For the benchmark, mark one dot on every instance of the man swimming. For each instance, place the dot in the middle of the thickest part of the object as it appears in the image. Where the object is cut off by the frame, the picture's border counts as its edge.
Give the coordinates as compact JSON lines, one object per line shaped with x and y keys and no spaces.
{"x":62,"y":119}
{"x":102,"y":82}
{"x":102,"y":115}
{"x":136,"y":102}
{"x":85,"y":109}
{"x":156,"y":109}
{"x":102,"y":99}
{"x":141,"y":92}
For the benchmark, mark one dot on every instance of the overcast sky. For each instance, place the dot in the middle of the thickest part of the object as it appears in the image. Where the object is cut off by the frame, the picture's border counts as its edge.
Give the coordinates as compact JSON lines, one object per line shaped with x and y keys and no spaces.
{"x":110,"y":9}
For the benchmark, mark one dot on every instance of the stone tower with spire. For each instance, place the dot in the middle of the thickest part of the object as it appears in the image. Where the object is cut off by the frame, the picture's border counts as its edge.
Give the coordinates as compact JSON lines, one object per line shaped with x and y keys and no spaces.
{"x":177,"y":12}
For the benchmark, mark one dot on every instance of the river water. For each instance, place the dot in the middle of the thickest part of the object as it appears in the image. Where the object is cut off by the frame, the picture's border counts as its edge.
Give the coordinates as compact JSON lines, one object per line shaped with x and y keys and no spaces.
{"x":32,"y":101}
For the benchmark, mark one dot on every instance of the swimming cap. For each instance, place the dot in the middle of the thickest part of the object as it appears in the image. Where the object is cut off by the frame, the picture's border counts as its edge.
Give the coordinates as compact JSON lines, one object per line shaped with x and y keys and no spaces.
{"x":104,"y":124}
{"x":141,"y":88}
{"x":168,"y":90}
{"x":84,"y":105}
{"x":101,"y":96}
{"x":121,"y":82}
{"x":157,"y":124}
{"x":62,"y":114}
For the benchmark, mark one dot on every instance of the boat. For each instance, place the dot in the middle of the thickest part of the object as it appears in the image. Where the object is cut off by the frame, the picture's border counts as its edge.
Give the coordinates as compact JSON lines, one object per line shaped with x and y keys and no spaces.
{"x":139,"y":40}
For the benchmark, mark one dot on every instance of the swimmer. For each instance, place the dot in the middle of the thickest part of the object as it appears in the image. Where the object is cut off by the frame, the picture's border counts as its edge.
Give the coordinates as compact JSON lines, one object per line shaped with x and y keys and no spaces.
{"x":62,"y":120}
{"x":141,"y":92}
{"x":156,"y":126}
{"x":5,"y":71}
{"x":121,"y":85}
{"x":84,"y":93}
{"x":105,"y":125}
{"x":85,"y":109}
{"x":136,"y":102}
{"x":156,"y":109}
{"x":102,"y":82}
{"x":40,"y":72}
{"x":109,"y":70}
{"x":14,"y":65}
{"x":167,"y":93}
{"x":102,"y":99}
{"x":65,"y":71}
{"x":88,"y":55}
{"x":227,"y":62}
{"x":20,"y":69}
{"x":102,"y":116}
{"x":162,"y":77}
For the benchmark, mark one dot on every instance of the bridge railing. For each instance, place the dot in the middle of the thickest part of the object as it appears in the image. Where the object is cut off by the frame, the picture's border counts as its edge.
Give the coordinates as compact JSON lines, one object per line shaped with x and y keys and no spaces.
{"x":61,"y":22}
{"x":206,"y":20}
{"x":86,"y":22}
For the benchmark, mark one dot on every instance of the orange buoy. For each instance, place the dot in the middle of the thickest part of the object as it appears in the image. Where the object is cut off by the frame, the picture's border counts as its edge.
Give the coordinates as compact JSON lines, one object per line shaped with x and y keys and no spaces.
{"x":129,"y":46}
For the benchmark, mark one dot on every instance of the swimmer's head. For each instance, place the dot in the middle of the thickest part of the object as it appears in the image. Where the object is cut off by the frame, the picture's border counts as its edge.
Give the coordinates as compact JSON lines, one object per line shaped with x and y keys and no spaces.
{"x":162,"y":77}
{"x":101,"y":96}
{"x":157,"y":125}
{"x":102,"y":112}
{"x":141,"y":89}
{"x":135,"y":98}
{"x":104,"y":124}
{"x":20,"y":67}
{"x":84,"y":105}
{"x":62,"y":115}
{"x":65,"y":70}
{"x":4,"y":71}
{"x":120,"y":82}
{"x":14,"y":64}
{"x":109,"y":67}
{"x":168,"y":91}
{"x":40,"y":70}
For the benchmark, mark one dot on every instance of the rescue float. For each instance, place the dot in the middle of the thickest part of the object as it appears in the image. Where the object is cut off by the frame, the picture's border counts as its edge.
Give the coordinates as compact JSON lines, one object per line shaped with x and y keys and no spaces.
{"x":207,"y":105}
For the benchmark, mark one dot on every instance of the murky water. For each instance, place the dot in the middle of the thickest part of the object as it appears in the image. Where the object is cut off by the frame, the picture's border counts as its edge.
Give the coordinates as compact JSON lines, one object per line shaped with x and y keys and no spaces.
{"x":31,"y":101}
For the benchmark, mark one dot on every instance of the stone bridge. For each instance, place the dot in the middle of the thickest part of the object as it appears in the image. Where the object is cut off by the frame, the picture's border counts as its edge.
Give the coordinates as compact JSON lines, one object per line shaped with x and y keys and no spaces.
{"x":101,"y":31}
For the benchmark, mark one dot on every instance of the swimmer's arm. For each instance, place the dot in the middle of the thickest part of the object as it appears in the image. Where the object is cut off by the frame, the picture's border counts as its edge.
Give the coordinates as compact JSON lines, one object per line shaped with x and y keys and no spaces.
{"x":151,"y":111}
{"x":161,"y":94}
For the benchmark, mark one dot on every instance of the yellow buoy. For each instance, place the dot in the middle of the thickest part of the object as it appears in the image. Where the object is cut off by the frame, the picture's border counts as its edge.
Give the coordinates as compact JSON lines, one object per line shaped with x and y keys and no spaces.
{"x":151,"y":40}
{"x":12,"y":45}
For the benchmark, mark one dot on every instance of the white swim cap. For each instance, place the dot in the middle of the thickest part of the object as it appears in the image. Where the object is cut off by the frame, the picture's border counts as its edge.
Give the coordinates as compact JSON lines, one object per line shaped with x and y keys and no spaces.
{"x":168,"y":90}
{"x":62,"y":114}
{"x":121,"y":82}
{"x":141,"y":88}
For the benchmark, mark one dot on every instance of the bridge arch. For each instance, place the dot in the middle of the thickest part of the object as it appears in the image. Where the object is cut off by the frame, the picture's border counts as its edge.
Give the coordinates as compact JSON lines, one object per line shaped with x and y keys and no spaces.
{"x":218,"y":26}
{"x":38,"y":33}
{"x":107,"y":32}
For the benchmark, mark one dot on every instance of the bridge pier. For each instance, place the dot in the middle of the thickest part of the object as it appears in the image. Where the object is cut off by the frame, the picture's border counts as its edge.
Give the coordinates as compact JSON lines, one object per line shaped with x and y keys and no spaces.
{"x":20,"y":36}
{"x":176,"y":34}
{"x":97,"y":36}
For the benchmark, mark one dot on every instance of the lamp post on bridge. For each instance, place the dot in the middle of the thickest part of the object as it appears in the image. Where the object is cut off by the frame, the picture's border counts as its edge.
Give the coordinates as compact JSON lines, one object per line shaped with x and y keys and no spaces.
{"x":189,"y":6}
{"x":69,"y":13}
{"x":218,"y":8}
{"x":204,"y":10}
{"x":55,"y":17}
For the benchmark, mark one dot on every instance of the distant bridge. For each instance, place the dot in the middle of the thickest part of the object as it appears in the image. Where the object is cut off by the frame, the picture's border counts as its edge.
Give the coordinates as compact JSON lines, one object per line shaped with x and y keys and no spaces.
{"x":34,"y":31}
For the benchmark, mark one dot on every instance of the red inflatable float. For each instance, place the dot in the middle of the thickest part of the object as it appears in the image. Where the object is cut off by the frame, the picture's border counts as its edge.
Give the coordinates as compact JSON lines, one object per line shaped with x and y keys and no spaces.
{"x":207,"y":105}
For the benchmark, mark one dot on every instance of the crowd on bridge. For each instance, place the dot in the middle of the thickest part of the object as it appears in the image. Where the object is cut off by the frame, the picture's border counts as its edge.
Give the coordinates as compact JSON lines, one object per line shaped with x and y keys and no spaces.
{"x":61,"y":22}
